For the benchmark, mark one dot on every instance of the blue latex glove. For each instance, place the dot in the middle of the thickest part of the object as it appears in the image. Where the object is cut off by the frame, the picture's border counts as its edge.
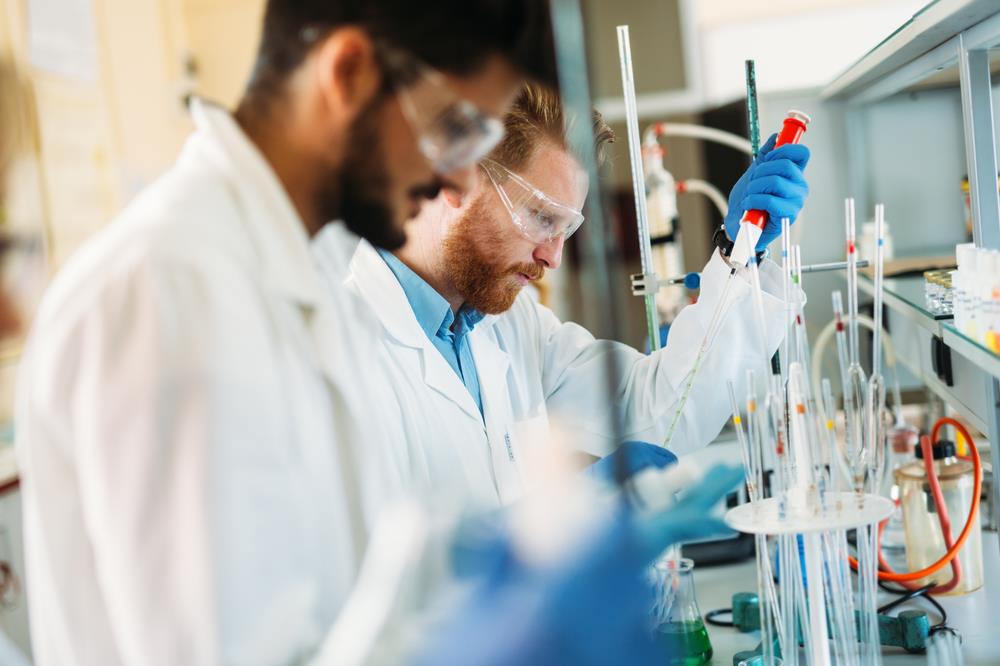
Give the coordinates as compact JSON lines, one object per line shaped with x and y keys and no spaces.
{"x":773,"y":183}
{"x":637,"y":456}
{"x":690,"y":519}
{"x":593,"y":608}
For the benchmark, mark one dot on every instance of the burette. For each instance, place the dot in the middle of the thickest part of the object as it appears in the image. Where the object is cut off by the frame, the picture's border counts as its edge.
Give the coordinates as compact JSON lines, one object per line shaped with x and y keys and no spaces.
{"x":639,"y":187}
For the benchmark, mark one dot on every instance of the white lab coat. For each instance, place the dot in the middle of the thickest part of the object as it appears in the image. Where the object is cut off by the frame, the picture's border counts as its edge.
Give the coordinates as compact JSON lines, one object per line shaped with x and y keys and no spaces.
{"x":536,"y":372}
{"x":201,"y":455}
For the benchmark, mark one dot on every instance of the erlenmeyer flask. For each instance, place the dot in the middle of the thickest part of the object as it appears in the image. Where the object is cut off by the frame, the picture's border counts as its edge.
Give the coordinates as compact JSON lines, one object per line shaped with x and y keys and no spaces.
{"x":677,"y":624}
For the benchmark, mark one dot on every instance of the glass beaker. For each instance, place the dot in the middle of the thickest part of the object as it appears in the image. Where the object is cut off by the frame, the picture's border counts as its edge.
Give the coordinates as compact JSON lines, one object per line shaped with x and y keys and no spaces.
{"x":902,"y":439}
{"x":677,"y":624}
{"x":924,"y":541}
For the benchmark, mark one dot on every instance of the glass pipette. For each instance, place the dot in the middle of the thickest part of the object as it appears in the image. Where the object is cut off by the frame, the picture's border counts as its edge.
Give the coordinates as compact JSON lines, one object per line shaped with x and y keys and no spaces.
{"x":856,"y":381}
{"x":876,"y":384}
{"x":744,"y":246}
{"x":741,"y":437}
{"x":830,"y":411}
{"x":786,"y":285}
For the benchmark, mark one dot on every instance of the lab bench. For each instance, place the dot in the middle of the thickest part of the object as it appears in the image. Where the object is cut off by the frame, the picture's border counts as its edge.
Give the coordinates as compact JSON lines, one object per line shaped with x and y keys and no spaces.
{"x":971,"y":614}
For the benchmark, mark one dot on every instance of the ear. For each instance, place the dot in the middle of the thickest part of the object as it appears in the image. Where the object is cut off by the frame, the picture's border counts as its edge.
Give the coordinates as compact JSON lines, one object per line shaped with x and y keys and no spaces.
{"x":452,"y":197}
{"x":348,"y":75}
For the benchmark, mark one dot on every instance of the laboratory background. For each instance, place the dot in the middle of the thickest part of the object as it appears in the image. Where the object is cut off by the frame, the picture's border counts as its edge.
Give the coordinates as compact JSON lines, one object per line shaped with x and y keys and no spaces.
{"x":891,"y":356}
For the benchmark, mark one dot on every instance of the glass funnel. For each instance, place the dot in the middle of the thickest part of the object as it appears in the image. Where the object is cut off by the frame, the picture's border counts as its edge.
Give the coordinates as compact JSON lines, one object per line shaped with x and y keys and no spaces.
{"x":677,"y":624}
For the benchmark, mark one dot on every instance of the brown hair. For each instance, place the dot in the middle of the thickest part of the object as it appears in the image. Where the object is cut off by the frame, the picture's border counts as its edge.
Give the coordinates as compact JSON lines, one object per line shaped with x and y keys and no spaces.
{"x":537,"y":115}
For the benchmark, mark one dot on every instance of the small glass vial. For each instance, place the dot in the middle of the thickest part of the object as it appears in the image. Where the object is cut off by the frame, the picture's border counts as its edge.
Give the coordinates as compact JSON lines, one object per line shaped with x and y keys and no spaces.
{"x":924,"y":541}
{"x":677,"y":624}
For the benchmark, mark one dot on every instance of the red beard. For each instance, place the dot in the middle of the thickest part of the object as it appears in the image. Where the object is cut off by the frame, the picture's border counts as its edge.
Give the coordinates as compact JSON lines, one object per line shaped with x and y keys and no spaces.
{"x":483,"y":284}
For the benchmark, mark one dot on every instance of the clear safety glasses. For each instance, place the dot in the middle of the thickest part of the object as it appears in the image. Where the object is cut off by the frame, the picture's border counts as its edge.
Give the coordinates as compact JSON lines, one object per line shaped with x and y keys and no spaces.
{"x":452,"y":132}
{"x":539,"y":217}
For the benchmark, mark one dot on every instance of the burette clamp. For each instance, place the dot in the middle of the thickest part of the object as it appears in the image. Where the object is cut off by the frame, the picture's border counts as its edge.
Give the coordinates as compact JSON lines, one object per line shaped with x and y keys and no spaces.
{"x":645,"y":284}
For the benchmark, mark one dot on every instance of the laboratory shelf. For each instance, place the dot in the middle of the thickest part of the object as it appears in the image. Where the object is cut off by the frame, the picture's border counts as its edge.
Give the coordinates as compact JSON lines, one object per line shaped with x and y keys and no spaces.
{"x":905,"y":296}
{"x":912,"y":327}
{"x":919,"y":49}
{"x":971,"y":349}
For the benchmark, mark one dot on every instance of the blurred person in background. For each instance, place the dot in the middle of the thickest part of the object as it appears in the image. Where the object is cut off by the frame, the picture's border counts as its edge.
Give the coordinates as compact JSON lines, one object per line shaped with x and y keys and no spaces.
{"x":202,"y":455}
{"x":18,"y":139}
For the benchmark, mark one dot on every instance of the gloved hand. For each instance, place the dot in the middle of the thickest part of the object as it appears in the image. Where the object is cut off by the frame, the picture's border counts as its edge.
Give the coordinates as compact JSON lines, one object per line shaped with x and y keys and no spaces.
{"x":636,"y":456}
{"x":689,"y":518}
{"x":592,"y":608}
{"x":522,"y":613}
{"x":773,"y":183}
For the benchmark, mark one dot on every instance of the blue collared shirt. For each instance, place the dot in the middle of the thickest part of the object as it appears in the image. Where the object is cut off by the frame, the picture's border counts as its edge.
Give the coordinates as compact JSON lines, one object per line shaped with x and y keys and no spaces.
{"x":435,"y":317}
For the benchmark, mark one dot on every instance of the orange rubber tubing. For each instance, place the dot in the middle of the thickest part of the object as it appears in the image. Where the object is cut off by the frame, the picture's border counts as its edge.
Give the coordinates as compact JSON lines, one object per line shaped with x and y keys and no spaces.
{"x":969,"y":521}
{"x":943,"y":519}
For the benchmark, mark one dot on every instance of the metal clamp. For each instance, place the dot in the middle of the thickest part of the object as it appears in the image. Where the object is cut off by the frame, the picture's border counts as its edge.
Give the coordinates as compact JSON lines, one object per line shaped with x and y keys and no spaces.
{"x":645,"y":284}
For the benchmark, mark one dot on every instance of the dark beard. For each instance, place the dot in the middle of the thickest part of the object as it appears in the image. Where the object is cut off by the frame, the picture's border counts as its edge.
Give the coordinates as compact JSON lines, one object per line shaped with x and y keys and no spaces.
{"x":359,"y":195}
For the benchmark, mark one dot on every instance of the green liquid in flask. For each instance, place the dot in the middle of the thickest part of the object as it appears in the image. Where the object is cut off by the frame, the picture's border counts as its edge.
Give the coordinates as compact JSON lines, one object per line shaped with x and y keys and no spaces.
{"x":684,"y":643}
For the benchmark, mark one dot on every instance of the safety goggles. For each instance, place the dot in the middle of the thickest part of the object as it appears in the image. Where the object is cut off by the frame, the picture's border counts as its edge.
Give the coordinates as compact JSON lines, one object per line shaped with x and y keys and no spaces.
{"x":452,"y":132}
{"x":539,"y":217}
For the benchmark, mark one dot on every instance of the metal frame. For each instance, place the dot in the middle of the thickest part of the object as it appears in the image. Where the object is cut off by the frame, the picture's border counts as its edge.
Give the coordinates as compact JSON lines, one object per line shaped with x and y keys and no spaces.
{"x":981,"y":155}
{"x":914,"y":47}
{"x":950,"y":33}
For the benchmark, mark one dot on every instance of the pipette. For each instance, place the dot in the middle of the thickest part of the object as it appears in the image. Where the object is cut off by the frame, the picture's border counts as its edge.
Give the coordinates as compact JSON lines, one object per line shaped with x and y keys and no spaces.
{"x":843,"y":355}
{"x":786,"y":291}
{"x":765,"y":580}
{"x":854,"y":432}
{"x":751,"y":226}
{"x":753,"y":222}
{"x":875,"y":399}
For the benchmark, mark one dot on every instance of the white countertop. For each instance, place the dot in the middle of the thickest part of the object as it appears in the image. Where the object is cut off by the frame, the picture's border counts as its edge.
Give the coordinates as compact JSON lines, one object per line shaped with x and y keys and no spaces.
{"x":971,"y":614}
